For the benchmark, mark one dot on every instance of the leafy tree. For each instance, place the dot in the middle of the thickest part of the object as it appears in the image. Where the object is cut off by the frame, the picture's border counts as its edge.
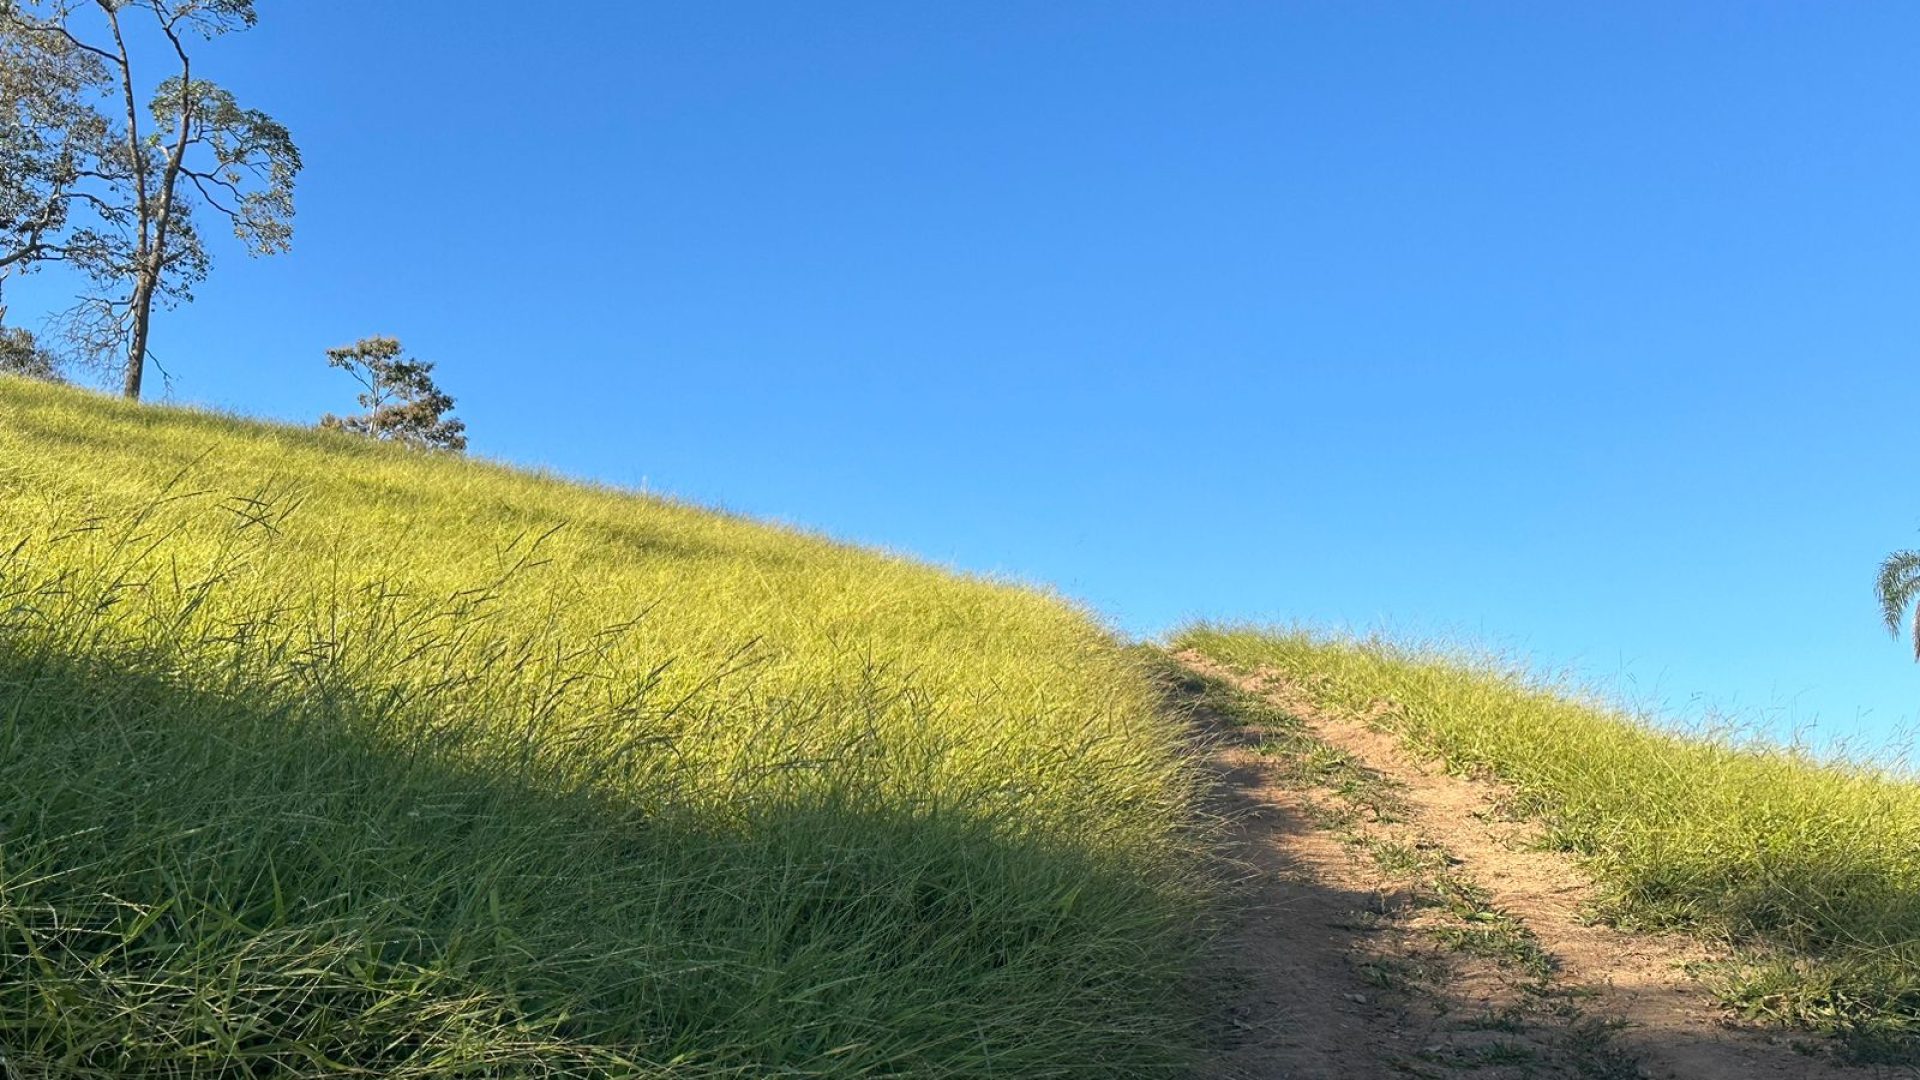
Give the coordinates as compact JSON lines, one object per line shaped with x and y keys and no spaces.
{"x":21,"y":354}
{"x":403,"y":404}
{"x":1897,"y":587}
{"x":126,"y":193}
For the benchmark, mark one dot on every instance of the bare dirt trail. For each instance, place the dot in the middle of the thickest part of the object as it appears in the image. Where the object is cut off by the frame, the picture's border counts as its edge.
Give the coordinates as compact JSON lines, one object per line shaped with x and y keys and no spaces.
{"x":1332,"y":972}
{"x":1302,"y":1009}
{"x":1661,"y":1024}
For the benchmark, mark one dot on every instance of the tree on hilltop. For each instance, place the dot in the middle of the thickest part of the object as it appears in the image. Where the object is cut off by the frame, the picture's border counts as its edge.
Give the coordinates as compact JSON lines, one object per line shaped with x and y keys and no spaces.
{"x":89,"y":178}
{"x":403,"y":403}
{"x":21,"y":354}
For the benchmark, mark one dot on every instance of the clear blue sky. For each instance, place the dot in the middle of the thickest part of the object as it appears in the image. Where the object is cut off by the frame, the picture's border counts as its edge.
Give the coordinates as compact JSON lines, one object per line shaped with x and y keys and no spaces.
{"x":1585,"y":329}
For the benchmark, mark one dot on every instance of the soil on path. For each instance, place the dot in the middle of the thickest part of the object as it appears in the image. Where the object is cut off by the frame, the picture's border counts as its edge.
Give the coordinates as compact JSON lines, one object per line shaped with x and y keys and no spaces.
{"x":1303,"y":1008}
{"x":1349,"y":965}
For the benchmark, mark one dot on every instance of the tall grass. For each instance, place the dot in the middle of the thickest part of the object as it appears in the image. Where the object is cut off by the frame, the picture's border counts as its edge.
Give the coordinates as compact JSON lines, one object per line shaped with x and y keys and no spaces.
{"x":319,"y":758}
{"x":1812,"y":867}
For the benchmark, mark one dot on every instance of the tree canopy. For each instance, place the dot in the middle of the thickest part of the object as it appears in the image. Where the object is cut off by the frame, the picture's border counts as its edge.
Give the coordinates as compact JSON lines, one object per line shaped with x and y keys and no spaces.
{"x":402,"y":402}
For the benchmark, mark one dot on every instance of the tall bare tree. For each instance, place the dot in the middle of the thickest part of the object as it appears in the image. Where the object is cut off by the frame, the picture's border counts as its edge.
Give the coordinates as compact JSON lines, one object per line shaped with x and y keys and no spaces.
{"x":126,"y":208}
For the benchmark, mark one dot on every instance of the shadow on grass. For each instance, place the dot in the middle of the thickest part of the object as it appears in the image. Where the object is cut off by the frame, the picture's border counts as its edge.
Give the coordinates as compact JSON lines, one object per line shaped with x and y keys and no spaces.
{"x":263,"y":881}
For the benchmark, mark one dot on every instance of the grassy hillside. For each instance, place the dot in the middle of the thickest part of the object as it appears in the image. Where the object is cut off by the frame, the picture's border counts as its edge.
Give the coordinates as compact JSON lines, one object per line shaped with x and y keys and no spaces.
{"x":323,"y":758}
{"x":1811,"y":868}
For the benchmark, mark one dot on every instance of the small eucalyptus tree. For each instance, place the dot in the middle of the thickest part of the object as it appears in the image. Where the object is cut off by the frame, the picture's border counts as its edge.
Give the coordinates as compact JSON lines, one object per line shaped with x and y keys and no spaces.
{"x":21,"y":354}
{"x":129,"y":178}
{"x":403,"y":403}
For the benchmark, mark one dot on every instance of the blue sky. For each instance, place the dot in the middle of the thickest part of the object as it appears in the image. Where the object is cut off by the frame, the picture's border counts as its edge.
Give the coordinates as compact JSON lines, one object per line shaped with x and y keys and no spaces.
{"x":1587,"y":330}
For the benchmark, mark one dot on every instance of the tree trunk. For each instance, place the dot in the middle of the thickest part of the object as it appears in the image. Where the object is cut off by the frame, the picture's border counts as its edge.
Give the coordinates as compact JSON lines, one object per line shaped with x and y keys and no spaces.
{"x":137,"y":345}
{"x":153,"y":254}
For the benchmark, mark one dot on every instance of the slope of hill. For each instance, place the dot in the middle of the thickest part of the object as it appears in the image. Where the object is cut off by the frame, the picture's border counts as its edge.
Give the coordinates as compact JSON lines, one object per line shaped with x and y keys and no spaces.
{"x":1802,"y":875}
{"x":324,"y":758}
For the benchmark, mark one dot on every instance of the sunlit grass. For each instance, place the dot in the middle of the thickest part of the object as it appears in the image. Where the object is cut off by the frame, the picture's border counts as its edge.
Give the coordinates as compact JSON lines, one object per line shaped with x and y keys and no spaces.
{"x":1810,"y":866}
{"x":323,"y":758}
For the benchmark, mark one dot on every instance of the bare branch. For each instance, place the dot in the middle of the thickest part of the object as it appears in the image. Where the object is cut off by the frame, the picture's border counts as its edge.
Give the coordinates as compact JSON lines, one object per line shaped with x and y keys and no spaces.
{"x":57,"y":29}
{"x":210,"y":178}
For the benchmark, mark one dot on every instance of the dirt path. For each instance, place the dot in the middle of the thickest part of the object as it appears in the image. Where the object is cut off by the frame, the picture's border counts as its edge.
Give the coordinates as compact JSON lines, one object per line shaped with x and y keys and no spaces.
{"x":1303,"y":1008}
{"x":1335,"y":966}
{"x":1507,"y":978}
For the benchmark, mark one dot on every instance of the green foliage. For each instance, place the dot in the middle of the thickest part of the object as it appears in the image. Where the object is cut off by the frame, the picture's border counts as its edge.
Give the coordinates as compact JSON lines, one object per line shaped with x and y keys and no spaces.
{"x":250,"y":163}
{"x":49,"y":133}
{"x":403,"y":403}
{"x":324,"y":758}
{"x":1811,"y":867}
{"x":21,"y":355}
{"x":1897,"y":587}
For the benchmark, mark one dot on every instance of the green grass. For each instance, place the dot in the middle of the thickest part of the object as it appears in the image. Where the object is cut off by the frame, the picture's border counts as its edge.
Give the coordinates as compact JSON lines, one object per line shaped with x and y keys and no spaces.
{"x":320,"y":758}
{"x":1811,"y":867}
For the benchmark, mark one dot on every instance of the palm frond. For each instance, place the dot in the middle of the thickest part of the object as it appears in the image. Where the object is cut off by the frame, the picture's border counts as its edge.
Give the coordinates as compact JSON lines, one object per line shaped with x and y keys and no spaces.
{"x":1897,"y":586}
